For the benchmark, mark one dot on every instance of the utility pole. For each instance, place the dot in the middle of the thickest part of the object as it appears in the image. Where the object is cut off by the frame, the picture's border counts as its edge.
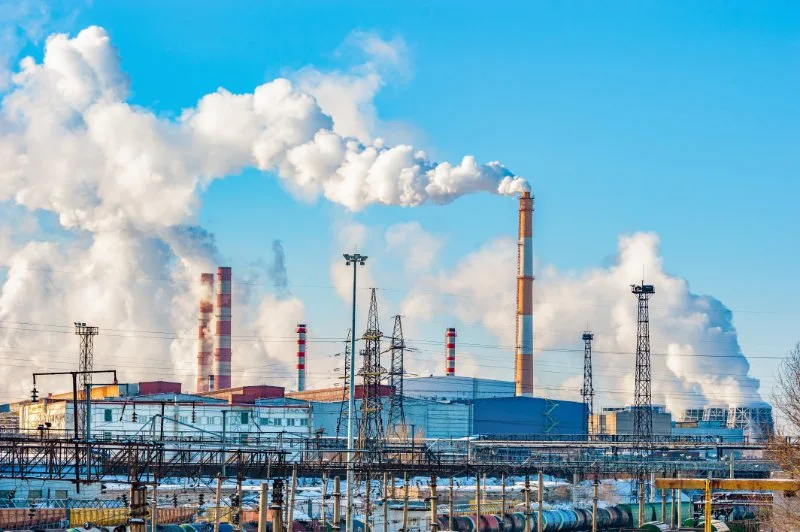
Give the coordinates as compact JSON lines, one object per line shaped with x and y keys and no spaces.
{"x":594,"y":505}
{"x":452,"y":506}
{"x":263,"y":504}
{"x":355,"y":260}
{"x":397,"y":416}
{"x":588,"y":389}
{"x":85,"y":365}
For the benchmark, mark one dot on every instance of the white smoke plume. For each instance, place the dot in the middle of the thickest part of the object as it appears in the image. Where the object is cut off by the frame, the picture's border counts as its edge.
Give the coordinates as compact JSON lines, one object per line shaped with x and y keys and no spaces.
{"x":124,"y":183}
{"x":696,"y":357}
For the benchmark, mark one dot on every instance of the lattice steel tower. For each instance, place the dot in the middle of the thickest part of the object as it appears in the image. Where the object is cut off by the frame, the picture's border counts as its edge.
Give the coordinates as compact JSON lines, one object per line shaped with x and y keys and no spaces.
{"x":642,"y":400}
{"x":397,"y":416}
{"x":587,"y":392}
{"x":341,"y":423}
{"x":85,"y":364}
{"x":370,"y":425}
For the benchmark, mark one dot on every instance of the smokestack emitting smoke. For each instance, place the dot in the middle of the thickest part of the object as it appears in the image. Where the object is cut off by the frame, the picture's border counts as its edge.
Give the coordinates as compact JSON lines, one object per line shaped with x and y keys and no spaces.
{"x":301,"y":357}
{"x":450,"y":352}
{"x":523,"y":364}
{"x":205,"y":340}
{"x":222,"y":346}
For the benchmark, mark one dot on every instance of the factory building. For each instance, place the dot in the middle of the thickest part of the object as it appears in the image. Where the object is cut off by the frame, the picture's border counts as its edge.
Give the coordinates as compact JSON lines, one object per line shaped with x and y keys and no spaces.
{"x":752,"y":422}
{"x":620,"y":422}
{"x":526,"y":417}
{"x":123,"y":410}
{"x":184,"y":416}
{"x":456,"y":388}
{"x":424,"y":419}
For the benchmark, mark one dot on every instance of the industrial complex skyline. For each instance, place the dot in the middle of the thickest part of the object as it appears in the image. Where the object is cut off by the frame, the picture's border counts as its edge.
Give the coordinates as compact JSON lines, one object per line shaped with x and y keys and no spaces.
{"x":311,"y":157}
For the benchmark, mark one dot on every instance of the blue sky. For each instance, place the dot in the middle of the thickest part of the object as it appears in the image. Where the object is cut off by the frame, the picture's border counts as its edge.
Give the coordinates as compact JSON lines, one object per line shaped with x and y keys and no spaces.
{"x":678,"y":118}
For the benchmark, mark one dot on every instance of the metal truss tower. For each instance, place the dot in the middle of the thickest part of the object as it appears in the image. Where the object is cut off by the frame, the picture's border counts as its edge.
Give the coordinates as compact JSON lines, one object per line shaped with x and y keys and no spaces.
{"x":397,"y":416}
{"x":341,"y":423}
{"x":588,"y":388}
{"x":85,"y":365}
{"x":370,"y":425}
{"x":642,"y":400}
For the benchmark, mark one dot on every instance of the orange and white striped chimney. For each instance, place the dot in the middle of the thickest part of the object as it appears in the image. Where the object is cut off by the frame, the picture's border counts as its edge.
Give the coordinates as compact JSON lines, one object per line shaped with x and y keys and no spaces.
{"x":523,"y":363}
{"x":450,"y":352}
{"x":205,"y":340}
{"x":301,"y":357}
{"x":222,"y":339}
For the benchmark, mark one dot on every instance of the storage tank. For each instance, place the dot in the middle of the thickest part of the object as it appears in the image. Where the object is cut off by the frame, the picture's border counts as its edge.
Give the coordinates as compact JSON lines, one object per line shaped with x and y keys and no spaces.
{"x":584,"y":518}
{"x":552,"y":520}
{"x":622,"y":515}
{"x":716,"y":525}
{"x":655,"y":526}
{"x":489,"y":523}
{"x":519,"y":521}
{"x":469,"y":523}
{"x":569,"y":520}
{"x":505,"y":522}
{"x":603,"y":517}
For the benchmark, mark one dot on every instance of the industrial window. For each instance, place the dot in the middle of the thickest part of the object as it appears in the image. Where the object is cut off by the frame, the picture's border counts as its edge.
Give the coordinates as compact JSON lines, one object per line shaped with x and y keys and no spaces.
{"x":263,"y":421}
{"x":107,"y":416}
{"x":34,"y":494}
{"x":303,"y":422}
{"x":61,"y":494}
{"x":244,"y":418}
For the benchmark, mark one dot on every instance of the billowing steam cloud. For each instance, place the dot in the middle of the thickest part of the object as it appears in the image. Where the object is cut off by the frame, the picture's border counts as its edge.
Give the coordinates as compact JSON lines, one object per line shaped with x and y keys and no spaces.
{"x":125,"y":183}
{"x":63,"y":120}
{"x":696,"y":358}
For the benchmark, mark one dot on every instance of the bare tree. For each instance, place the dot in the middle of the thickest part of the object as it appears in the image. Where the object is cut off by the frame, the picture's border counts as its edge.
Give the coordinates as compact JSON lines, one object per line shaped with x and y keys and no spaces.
{"x":785,"y":445}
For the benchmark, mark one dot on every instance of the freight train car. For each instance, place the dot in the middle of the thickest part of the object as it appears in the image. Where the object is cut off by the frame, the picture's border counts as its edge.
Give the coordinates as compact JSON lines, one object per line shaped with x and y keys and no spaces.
{"x":561,"y":520}
{"x":17,"y":518}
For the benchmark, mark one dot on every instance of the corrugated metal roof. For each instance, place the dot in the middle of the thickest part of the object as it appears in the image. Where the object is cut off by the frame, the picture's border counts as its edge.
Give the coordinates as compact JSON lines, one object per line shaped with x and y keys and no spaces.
{"x":281,"y":401}
{"x":176,"y":397}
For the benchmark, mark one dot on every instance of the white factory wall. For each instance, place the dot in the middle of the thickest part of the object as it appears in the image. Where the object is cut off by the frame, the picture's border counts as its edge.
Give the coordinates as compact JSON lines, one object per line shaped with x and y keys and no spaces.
{"x":46,"y":489}
{"x":455,"y":388}
{"x":111,"y":419}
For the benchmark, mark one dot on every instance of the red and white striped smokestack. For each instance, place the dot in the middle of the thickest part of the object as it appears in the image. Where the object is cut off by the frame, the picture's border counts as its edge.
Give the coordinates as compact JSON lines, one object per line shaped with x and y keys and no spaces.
{"x":450,"y":352}
{"x":523,"y":363}
{"x":222,"y":340}
{"x":301,"y":357}
{"x":205,"y":340}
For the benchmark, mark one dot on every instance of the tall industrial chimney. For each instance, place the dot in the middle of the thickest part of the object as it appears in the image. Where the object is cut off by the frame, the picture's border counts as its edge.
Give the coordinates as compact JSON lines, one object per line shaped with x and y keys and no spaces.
{"x":450,"y":352}
{"x":205,"y":340}
{"x":222,"y":340}
{"x":301,"y":357}
{"x":523,"y":367}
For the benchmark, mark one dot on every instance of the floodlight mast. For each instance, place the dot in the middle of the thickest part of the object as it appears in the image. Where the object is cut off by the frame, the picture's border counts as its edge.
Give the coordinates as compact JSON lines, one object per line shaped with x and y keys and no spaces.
{"x":355,"y":259}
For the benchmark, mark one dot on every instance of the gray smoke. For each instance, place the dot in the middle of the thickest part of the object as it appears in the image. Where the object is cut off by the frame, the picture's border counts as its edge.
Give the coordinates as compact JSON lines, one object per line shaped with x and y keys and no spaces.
{"x":277,"y":270}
